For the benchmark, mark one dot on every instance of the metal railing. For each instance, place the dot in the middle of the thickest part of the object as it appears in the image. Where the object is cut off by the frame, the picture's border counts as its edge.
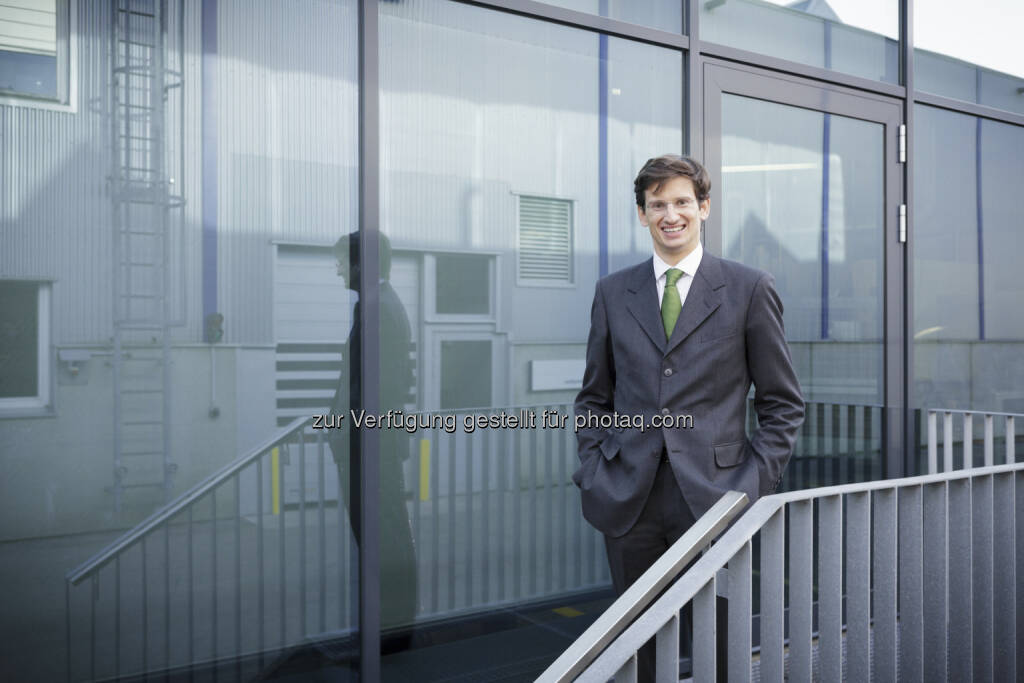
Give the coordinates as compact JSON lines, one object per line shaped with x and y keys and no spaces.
{"x":967,"y":457}
{"x":260,"y":556}
{"x":924,"y":569}
{"x":637,"y":597}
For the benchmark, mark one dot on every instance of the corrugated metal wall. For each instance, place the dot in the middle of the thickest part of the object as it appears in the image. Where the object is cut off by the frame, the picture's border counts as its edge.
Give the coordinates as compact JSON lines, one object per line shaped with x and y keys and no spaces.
{"x":287,"y":150}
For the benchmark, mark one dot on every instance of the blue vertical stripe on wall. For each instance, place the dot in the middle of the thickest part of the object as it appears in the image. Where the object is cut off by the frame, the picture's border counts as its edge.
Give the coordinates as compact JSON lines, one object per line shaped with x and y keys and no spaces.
{"x":824,"y":224}
{"x":209,"y":157}
{"x":602,"y":148}
{"x":824,"y":193}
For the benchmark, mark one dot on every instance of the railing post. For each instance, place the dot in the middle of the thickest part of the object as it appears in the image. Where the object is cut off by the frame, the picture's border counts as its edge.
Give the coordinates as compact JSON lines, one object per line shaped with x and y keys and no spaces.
{"x":858,"y":589}
{"x":1004,"y":584}
{"x":960,"y":589}
{"x":830,"y":588}
{"x":910,"y":582}
{"x":936,"y":560}
{"x":947,"y":441}
{"x":705,"y":629}
{"x":933,"y":443}
{"x":968,"y":441}
{"x":773,"y":603}
{"x":801,"y":571}
{"x":989,"y":441}
{"x":667,"y":651}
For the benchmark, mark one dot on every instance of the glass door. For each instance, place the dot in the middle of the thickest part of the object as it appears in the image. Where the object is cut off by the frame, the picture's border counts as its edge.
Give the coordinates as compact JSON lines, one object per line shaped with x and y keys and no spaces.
{"x":807,"y":186}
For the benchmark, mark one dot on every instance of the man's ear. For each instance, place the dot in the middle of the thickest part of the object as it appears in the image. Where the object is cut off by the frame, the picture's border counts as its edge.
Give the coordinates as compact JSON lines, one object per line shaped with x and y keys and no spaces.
{"x":642,"y":215}
{"x":705,"y":208}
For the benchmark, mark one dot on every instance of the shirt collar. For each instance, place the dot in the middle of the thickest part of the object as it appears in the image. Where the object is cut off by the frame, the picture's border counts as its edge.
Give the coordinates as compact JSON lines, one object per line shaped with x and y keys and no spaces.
{"x":688,"y":264}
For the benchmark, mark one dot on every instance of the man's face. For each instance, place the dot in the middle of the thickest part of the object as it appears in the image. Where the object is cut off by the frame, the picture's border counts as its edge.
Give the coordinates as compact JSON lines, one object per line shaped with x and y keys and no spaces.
{"x":673,"y":216}
{"x":349,"y":274}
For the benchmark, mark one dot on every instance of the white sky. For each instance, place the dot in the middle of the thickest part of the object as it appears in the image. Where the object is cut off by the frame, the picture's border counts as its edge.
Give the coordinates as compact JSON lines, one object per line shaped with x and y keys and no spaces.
{"x":983,"y":32}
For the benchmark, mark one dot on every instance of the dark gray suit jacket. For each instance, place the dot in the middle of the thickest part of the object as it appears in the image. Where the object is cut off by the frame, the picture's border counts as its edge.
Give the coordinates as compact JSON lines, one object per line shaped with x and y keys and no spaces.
{"x":728,"y":335}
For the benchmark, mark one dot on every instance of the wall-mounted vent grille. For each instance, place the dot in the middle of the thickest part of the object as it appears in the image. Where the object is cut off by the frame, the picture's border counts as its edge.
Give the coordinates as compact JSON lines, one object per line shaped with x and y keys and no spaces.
{"x":545,"y":239}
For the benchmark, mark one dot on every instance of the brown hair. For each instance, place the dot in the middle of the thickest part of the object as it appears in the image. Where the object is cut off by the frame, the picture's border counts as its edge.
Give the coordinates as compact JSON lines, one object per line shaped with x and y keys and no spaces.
{"x":657,"y":171}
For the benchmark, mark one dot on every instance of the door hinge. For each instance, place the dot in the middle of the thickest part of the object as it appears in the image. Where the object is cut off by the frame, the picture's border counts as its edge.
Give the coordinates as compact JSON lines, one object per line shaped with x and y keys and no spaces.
{"x":903,"y":222}
{"x":903,"y":143}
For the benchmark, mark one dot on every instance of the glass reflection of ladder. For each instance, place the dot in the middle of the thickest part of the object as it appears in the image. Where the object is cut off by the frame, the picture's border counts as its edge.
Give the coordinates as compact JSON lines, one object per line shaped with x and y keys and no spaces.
{"x":143,"y":203}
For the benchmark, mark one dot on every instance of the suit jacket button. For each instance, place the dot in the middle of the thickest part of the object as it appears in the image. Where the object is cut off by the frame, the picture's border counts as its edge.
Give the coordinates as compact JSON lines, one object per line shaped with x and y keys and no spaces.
{"x":668,"y":372}
{"x":665,"y":411}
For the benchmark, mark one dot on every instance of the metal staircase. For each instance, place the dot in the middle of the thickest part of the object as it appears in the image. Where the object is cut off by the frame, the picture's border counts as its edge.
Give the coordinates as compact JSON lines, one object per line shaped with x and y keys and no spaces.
{"x":146,"y":219}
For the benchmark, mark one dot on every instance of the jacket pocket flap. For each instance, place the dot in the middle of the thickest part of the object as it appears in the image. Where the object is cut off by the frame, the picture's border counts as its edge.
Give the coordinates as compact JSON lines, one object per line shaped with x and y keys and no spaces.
{"x":610,"y":447}
{"x":730,"y":454}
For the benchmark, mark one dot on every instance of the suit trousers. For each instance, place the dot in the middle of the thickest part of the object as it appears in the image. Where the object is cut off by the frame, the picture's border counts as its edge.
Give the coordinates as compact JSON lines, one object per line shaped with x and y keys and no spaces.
{"x":664,"y":519}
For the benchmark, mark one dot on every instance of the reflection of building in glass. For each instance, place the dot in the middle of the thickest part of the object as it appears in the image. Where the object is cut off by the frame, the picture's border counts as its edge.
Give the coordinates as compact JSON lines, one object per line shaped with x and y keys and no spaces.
{"x":165,"y":163}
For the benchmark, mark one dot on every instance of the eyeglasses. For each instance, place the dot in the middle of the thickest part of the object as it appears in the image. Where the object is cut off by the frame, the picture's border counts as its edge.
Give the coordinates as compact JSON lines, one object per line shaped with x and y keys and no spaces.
{"x":658,"y":207}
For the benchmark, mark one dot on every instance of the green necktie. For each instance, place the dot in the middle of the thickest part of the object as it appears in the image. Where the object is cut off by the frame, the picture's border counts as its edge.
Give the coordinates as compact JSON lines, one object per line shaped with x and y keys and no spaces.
{"x":670,"y":303}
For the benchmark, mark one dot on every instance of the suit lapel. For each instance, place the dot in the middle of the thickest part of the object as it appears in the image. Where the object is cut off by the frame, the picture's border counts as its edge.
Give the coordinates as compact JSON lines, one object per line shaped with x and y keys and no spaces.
{"x":702,"y":300}
{"x":643,"y":303}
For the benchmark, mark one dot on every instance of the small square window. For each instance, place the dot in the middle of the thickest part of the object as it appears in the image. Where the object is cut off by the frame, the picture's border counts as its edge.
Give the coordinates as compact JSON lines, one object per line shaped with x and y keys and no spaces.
{"x":463,"y":284}
{"x":24,"y":345}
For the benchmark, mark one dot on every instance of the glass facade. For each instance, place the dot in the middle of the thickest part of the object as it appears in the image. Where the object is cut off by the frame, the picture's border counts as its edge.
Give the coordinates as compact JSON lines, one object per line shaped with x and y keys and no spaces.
{"x":182,"y":304}
{"x":974,"y":56}
{"x":856,"y":38}
{"x":666,"y":15}
{"x":967,"y":328}
{"x":803,"y":198}
{"x":505,"y":190}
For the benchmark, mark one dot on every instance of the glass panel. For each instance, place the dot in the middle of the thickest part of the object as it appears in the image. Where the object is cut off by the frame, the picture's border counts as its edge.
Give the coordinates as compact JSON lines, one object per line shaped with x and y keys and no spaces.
{"x":968,"y":332}
{"x":28,"y":48}
{"x":463,"y":284}
{"x":480,"y":109}
{"x":19,"y":339}
{"x":665,"y":15}
{"x":802,"y":197}
{"x":194,"y":196}
{"x":852,"y":36}
{"x":973,"y":56}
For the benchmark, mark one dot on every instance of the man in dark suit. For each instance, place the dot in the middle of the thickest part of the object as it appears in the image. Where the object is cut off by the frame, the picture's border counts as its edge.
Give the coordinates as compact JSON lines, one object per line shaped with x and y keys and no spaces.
{"x":682,"y":334}
{"x":397,"y":552}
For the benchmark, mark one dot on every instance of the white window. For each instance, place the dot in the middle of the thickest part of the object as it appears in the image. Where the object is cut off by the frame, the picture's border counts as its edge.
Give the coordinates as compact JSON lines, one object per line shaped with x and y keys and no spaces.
{"x":545,"y":240}
{"x":24,"y":346}
{"x":35,"y":51}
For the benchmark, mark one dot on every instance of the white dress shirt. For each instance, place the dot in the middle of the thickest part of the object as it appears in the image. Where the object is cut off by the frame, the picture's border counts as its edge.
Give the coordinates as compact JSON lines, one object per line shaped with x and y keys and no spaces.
{"x":689,"y":267}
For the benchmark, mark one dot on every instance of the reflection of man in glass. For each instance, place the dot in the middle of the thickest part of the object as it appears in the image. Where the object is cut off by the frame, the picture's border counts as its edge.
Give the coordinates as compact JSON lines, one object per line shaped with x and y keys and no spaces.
{"x":397,"y":554}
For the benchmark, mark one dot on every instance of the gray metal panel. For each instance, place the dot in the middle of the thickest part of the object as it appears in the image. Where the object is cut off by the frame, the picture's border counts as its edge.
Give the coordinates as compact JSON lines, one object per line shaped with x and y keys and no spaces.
{"x":1005,"y":578}
{"x":858,"y":587}
{"x":773,"y":565}
{"x":935,"y":585}
{"x":960,"y":591}
{"x":884,"y":596}
{"x":830,"y":588}
{"x":982,"y":579}
{"x":911,"y":585}
{"x":801,"y":572}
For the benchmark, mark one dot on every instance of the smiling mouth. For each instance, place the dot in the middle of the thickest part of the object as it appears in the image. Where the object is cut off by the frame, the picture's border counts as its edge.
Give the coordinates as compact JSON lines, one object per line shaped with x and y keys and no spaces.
{"x":678,"y":228}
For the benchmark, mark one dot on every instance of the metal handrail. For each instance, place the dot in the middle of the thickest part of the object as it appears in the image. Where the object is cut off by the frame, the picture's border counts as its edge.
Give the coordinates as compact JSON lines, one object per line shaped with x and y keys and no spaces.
{"x":618,"y":616}
{"x":134,"y":535}
{"x":718,"y":556}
